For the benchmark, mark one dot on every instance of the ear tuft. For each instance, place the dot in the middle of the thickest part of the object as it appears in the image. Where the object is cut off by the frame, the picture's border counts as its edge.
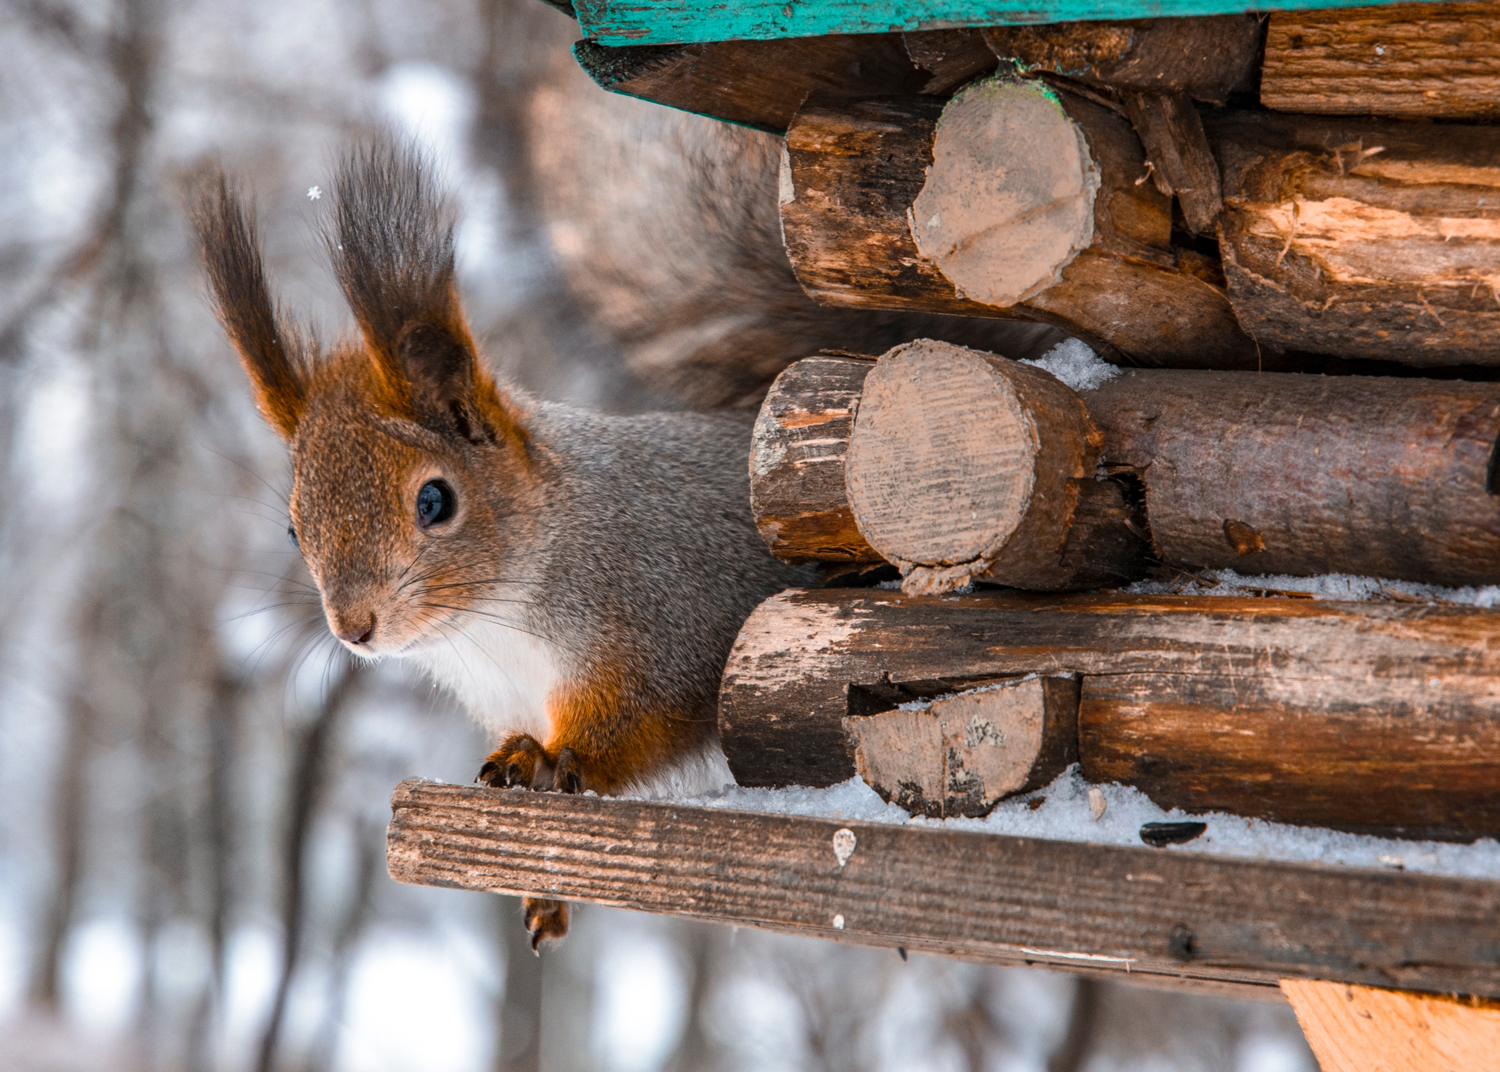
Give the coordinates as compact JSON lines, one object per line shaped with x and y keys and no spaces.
{"x":440,"y":366}
{"x":274,"y":354}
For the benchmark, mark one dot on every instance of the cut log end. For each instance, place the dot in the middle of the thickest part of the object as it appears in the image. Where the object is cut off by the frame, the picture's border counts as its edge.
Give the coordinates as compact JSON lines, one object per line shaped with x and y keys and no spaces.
{"x":963,"y":754}
{"x":1009,"y":199}
{"x":960,"y":460}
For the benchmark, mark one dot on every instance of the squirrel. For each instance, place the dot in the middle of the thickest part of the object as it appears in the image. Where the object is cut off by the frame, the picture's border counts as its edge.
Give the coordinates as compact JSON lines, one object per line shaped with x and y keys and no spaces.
{"x":576,"y":580}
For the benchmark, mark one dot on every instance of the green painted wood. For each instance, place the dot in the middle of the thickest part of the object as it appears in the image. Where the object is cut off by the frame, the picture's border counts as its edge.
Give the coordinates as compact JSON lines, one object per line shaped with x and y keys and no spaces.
{"x":641,"y":22}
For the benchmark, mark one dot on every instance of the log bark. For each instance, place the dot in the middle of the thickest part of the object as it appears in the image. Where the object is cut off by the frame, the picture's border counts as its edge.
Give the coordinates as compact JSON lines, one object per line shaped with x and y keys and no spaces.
{"x":1021,"y":203}
{"x":1361,"y":716}
{"x":1207,"y":58}
{"x":1133,"y":913}
{"x":962,"y":754}
{"x":758,"y":84}
{"x":951,"y":58}
{"x":797,"y":492}
{"x":1363,"y":238}
{"x":1281,"y":473}
{"x":1410,"y":61}
{"x":1365,"y":1029}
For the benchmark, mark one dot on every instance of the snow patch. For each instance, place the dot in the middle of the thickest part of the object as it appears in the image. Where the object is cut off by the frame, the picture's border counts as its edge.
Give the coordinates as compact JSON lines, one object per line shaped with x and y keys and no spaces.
{"x":1063,"y":811}
{"x":1076,"y":364}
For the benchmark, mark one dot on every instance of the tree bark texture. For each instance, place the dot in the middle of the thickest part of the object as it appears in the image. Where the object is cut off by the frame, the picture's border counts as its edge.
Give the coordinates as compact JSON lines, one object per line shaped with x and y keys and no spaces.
{"x":758,"y":84}
{"x":1182,"y":164}
{"x":993,"y":211}
{"x":1153,"y":914}
{"x":1207,"y":58}
{"x":799,"y":492}
{"x":1363,"y":238}
{"x":1409,"y":61}
{"x":1284,"y":473}
{"x":1362,"y":716}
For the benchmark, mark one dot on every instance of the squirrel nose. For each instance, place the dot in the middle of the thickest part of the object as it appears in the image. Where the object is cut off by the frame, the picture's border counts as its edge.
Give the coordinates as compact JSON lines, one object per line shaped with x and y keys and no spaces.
{"x":355,"y":634}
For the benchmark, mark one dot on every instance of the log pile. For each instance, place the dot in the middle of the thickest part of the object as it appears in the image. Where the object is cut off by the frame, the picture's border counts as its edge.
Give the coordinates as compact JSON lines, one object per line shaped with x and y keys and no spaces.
{"x":1111,"y":177}
{"x":1371,"y":717}
{"x":961,"y":467}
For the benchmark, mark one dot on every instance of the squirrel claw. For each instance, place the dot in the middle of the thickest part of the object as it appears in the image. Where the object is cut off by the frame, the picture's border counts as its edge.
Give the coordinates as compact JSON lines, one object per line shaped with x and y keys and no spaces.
{"x":545,"y":920}
{"x":566,"y":777}
{"x":519,"y":762}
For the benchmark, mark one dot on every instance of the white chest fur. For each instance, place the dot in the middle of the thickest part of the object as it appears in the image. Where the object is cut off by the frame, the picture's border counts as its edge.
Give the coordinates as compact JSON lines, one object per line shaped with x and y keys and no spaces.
{"x":502,"y":675}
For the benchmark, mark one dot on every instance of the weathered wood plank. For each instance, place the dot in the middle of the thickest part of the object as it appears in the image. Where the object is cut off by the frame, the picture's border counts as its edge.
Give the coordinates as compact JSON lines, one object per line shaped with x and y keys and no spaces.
{"x":1204,"y":58}
{"x":1363,"y":1029}
{"x":981,"y":897}
{"x":673,"y":21}
{"x":1305,"y":711}
{"x":1410,"y":61}
{"x":758,"y":84}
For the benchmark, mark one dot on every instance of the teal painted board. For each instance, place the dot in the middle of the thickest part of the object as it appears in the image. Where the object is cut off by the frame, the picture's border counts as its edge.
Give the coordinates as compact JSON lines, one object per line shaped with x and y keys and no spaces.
{"x":661,"y":22}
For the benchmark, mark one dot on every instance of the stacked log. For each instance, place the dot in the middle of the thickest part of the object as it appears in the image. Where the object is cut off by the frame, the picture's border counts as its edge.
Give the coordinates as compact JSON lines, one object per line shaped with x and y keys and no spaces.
{"x":1379,"y":718}
{"x":1363,"y":238}
{"x":1021,"y":202}
{"x":960,"y":467}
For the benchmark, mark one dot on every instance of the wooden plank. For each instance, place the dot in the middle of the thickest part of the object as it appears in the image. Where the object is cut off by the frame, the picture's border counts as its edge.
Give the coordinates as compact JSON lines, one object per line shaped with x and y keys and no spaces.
{"x":984,"y":897}
{"x":673,"y":21}
{"x":1364,"y":1029}
{"x":1304,"y":711}
{"x":758,"y":84}
{"x":1409,"y":61}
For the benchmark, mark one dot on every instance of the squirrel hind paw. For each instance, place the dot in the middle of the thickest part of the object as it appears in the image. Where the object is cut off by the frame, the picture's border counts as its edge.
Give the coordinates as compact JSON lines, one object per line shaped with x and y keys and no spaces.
{"x":545,"y":920}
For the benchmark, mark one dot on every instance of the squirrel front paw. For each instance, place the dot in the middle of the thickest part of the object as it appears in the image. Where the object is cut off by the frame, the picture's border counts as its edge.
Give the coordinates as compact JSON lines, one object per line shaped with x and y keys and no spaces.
{"x":521,"y":762}
{"x":545,"y":920}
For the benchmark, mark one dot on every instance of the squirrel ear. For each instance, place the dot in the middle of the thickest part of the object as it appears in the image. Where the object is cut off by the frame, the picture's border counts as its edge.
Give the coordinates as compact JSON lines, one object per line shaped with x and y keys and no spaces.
{"x":275,"y":355}
{"x":392,"y":246}
{"x":440,"y":366}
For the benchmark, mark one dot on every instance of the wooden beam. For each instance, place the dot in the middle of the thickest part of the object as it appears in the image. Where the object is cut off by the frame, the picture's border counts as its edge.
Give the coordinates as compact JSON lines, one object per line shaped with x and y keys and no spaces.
{"x":1371,"y":239}
{"x":625,"y":22}
{"x":1363,"y":1029}
{"x":1285,"y":473}
{"x":758,"y":84}
{"x":1302,"y":711}
{"x":1204,"y":58}
{"x":1408,"y":61}
{"x":1002,"y":900}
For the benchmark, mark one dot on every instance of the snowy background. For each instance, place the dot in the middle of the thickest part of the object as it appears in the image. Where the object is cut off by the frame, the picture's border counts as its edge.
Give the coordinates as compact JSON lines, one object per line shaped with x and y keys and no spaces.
{"x":193,"y":783}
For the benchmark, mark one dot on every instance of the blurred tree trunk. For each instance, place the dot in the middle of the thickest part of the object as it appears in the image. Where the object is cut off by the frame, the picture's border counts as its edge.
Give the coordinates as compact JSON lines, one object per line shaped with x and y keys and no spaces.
{"x":314,"y":745}
{"x":703,"y":944}
{"x":520,"y":1044}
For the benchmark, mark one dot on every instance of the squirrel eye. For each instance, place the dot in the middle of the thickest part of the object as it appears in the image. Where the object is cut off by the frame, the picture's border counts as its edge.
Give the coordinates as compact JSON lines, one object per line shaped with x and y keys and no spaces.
{"x":435,"y":503}
{"x":291,"y":536}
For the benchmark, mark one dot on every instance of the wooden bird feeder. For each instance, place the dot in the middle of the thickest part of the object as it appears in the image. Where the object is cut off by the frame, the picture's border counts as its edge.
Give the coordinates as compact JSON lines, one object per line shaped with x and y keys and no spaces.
{"x":1228,"y":207}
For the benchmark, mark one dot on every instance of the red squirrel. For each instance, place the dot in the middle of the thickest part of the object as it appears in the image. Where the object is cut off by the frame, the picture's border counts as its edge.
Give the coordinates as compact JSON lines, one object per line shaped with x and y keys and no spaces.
{"x":575,"y":579}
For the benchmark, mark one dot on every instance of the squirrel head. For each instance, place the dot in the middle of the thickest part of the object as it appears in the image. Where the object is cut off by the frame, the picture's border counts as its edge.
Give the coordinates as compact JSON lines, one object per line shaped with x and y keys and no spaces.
{"x":413,"y":474}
